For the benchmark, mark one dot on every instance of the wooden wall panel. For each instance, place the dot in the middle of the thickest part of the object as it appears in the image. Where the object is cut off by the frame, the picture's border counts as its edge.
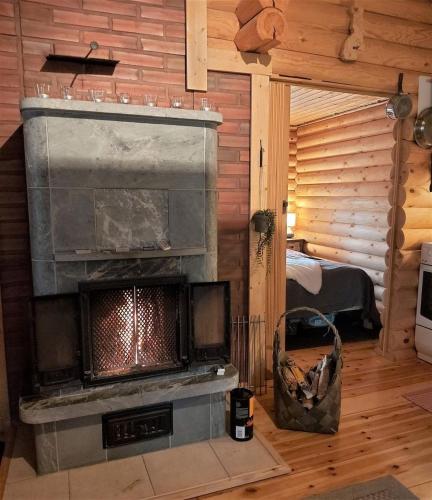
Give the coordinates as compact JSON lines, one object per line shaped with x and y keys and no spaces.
{"x":397,"y":38}
{"x":342,"y":209}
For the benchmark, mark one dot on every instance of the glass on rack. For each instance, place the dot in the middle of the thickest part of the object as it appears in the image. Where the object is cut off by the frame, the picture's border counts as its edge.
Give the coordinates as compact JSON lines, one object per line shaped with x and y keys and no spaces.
{"x":43,"y":89}
{"x":176,"y":102}
{"x":96,"y":95}
{"x":206,"y":105}
{"x":124,"y":98}
{"x":151,"y":100}
{"x":67,"y":92}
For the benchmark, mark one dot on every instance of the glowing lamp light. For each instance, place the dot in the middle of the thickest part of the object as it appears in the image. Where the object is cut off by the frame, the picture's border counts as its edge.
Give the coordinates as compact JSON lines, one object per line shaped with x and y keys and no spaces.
{"x":291,"y":222}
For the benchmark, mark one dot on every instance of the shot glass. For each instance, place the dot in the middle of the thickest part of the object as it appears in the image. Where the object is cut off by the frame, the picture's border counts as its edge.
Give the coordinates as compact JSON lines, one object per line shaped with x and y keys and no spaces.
{"x":124,"y":98}
{"x":176,"y":102}
{"x":206,"y":105}
{"x":96,"y":95}
{"x":151,"y":100}
{"x":67,"y":92}
{"x":43,"y":89}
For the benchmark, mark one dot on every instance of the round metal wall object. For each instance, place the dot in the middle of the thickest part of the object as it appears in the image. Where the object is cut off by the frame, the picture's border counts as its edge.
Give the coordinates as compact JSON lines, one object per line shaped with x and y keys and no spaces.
{"x":399,"y":106}
{"x":423,"y":129}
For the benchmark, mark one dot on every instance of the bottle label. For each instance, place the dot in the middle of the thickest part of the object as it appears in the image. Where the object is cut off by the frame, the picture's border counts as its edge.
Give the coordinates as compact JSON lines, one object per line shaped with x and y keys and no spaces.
{"x":240,"y":432}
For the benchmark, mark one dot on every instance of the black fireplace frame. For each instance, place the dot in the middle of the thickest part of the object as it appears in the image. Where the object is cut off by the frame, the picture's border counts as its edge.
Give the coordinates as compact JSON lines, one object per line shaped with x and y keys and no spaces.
{"x":87,"y":287}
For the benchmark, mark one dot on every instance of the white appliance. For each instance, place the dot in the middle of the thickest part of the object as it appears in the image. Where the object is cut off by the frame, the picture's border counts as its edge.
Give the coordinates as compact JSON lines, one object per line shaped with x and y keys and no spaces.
{"x":423,"y":331}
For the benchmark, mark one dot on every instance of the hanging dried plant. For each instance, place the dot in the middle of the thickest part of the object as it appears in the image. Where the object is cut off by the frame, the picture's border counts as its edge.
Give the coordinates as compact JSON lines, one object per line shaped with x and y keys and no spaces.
{"x":264,"y":223}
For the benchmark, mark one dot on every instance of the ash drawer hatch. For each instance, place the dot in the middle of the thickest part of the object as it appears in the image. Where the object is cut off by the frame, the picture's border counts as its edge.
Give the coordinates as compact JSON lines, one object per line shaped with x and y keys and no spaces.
{"x":138,"y":424}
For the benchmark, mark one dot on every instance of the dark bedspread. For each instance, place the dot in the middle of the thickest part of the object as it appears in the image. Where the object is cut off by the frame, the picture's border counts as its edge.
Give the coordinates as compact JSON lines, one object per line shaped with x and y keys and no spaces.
{"x":343,"y":287}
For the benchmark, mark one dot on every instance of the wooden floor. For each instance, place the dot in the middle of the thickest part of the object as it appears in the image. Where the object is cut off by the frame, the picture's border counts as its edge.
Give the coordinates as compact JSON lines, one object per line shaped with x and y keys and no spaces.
{"x":380,"y":433}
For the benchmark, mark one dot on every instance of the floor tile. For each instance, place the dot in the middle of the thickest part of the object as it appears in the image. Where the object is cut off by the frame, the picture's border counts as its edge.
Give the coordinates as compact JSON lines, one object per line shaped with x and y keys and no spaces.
{"x":125,"y":479}
{"x":49,"y":487}
{"x":241,"y":457}
{"x":22,"y":464}
{"x":183,"y":467}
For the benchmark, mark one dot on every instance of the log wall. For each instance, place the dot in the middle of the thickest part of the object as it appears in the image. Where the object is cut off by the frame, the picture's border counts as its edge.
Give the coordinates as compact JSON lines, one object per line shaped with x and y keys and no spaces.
{"x":342,"y":185}
{"x":397,"y":36}
{"x":411,"y":218}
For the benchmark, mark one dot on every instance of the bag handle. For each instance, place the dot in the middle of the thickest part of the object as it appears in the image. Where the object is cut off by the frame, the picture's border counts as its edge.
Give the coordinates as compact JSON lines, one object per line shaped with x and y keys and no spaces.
{"x":337,"y":339}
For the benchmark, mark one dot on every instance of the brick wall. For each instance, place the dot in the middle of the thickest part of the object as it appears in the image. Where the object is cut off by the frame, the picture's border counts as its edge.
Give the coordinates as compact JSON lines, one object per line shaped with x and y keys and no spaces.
{"x":147,"y":37}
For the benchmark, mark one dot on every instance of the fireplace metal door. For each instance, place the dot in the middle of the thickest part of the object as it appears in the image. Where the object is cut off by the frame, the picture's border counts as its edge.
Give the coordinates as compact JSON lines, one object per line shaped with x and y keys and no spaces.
{"x":133,"y":328}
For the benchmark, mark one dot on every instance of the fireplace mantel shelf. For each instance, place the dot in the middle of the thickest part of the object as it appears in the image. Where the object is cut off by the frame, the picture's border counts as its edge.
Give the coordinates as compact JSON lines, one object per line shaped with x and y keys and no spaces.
{"x":133,"y":254}
{"x":33,"y":106}
{"x":106,"y":398}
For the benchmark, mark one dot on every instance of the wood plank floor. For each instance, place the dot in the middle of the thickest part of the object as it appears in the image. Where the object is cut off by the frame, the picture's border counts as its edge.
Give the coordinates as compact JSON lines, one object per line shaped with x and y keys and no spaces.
{"x":380,"y":433}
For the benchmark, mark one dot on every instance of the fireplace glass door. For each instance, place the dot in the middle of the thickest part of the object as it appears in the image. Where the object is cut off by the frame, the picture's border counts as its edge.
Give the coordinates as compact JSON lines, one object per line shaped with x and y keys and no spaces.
{"x":130,"y":331}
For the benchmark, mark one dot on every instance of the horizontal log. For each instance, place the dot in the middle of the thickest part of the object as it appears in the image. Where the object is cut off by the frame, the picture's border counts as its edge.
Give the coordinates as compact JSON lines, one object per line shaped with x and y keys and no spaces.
{"x":418,"y":11}
{"x":368,"y":189}
{"x":370,"y":128}
{"x":224,"y":25}
{"x":301,"y":37}
{"x":361,"y":246}
{"x":411,"y":218}
{"x":400,"y":339}
{"x":401,"y":279}
{"x":261,"y":33}
{"x":292,"y":161}
{"x":292,"y":186}
{"x":347,"y":120}
{"x":359,"y":160}
{"x":402,"y":318}
{"x":247,"y":9}
{"x":377,"y":277}
{"x":406,"y":297}
{"x":413,"y":174}
{"x":339,"y":229}
{"x":409,"y":152}
{"x":373,"y":218}
{"x":404,"y":259}
{"x":321,"y":68}
{"x":365,"y":174}
{"x":379,"y":305}
{"x":293,"y":135}
{"x":292,"y":173}
{"x":367,"y":203}
{"x":410,"y":239}
{"x":223,"y":5}
{"x":291,"y":206}
{"x":353,"y":146}
{"x":373,"y":262}
{"x":405,"y":128}
{"x":411,"y":197}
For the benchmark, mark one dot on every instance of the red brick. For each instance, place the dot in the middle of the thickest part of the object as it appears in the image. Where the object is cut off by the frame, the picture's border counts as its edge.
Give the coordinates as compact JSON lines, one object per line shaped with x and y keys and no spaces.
{"x":229,"y":155}
{"x":8,"y":44}
{"x":10,"y":113}
{"x":7,"y":26}
{"x":155,"y":3}
{"x":9,"y":78}
{"x":244,"y":128}
{"x":234,"y":141}
{"x":125,"y":72}
{"x":228,"y":127}
{"x":178,"y":4}
{"x":227,"y":183}
{"x":221,"y":98}
{"x":138,"y":89}
{"x":36,"y":12}
{"x":138,"y":59}
{"x":80,"y":19}
{"x":175,"y":30}
{"x":140,"y":27}
{"x":244,"y":155}
{"x":60,"y":3}
{"x":163,"y":46}
{"x":8,"y":61}
{"x":32,"y":47}
{"x":79,"y":50}
{"x":233,"y":168}
{"x":244,"y":208}
{"x":227,"y":209}
{"x":163,"y":77}
{"x":33,"y":62}
{"x":9,"y":96}
{"x":163,"y":14}
{"x":112,"y":6}
{"x":234,"y":83}
{"x":6,"y":9}
{"x":233,"y":196}
{"x":234,"y":113}
{"x":110,"y":40}
{"x":175,"y":63}
{"x":88,"y":83}
{"x":43,"y":30}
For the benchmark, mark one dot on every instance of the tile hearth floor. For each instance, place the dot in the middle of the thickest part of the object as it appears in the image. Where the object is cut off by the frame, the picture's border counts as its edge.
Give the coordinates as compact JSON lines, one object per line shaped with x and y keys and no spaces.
{"x":182,"y":472}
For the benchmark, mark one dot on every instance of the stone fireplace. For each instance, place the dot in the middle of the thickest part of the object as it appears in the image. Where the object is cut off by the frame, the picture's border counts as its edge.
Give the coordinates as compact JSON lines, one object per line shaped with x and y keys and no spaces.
{"x":129,"y":323}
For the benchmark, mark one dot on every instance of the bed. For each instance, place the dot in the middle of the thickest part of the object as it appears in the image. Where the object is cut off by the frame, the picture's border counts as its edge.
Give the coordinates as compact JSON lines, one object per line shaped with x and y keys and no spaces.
{"x":342,"y":288}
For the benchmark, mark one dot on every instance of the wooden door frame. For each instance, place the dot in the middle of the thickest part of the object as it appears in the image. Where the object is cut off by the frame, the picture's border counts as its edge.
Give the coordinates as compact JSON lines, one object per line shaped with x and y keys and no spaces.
{"x":259,"y":67}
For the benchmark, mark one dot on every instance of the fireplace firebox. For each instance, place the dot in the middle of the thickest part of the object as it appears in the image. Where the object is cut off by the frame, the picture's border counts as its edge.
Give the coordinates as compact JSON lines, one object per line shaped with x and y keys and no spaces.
{"x":131,"y":329}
